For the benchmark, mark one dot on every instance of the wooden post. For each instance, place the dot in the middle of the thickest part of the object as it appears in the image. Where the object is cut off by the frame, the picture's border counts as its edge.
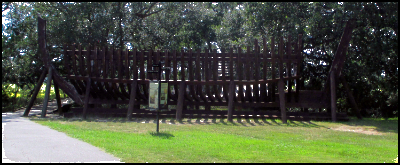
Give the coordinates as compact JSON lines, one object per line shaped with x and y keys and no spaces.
{"x":35,"y":92}
{"x":86,"y":102}
{"x":282,"y":100}
{"x":132,"y":99}
{"x":181,"y":96}
{"x":230,"y":101}
{"x":47,"y":93}
{"x":351,"y":98}
{"x":58,"y":99}
{"x":333,"y":96}
{"x":281,"y":84}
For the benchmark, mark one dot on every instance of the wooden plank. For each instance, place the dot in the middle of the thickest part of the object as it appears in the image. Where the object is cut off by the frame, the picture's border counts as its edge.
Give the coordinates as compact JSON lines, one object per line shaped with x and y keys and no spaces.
{"x":263,"y":87}
{"x":231,"y":72}
{"x":86,"y":102}
{"x":191,"y":78}
{"x":132,"y":100}
{"x":175,"y":74}
{"x":230,"y":104}
{"x":239,"y":70}
{"x":257,"y":71}
{"x":81,"y":61}
{"x":47,"y":93}
{"x":299,"y":58}
{"x":208,"y":76}
{"x":88,"y":61}
{"x":198,"y":76}
{"x":248,"y":73}
{"x":149,"y":65}
{"x":288,"y":67}
{"x":223,"y":78}
{"x":333,"y":96}
{"x":35,"y":92}
{"x":272,"y":85}
{"x":282,"y":101}
{"x":66,"y":60}
{"x":121,"y":70}
{"x":181,"y":96}
{"x":182,"y":65}
{"x":215,"y":75}
{"x":134,"y":64}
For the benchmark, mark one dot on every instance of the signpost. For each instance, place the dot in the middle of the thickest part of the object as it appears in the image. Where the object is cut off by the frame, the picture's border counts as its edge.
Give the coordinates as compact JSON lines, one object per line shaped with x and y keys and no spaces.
{"x":158,"y":92}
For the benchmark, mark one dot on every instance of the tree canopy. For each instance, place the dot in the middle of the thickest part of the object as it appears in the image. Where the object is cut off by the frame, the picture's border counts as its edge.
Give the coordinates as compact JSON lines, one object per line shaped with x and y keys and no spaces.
{"x":371,"y":66}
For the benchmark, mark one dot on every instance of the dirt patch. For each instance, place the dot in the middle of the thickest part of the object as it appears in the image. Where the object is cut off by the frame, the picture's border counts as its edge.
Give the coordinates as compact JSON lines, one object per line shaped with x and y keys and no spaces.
{"x":368,"y":131}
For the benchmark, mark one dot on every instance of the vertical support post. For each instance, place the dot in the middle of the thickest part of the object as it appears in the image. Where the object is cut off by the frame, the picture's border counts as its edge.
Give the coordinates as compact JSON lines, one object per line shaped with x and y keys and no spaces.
{"x":86,"y":102}
{"x":281,"y":83}
{"x":230,"y":103}
{"x":47,"y":93}
{"x":282,"y":100}
{"x":58,"y":99}
{"x":180,"y":101}
{"x":333,"y":96}
{"x":132,"y":99}
{"x":35,"y":93}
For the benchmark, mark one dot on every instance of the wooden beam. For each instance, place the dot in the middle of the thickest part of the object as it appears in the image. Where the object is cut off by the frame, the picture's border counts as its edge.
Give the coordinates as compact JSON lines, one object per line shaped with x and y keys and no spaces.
{"x":132,"y":99}
{"x":35,"y":92}
{"x":181,"y":96}
{"x":63,"y":84}
{"x":230,"y":103}
{"x":333,"y":96}
{"x":86,"y":105}
{"x":281,"y":85}
{"x":47,"y":93}
{"x":340,"y":55}
{"x":58,"y":99}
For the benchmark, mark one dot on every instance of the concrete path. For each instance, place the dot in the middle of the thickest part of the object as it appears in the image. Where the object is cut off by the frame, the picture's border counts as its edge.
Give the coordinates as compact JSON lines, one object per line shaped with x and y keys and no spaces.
{"x":27,"y":141}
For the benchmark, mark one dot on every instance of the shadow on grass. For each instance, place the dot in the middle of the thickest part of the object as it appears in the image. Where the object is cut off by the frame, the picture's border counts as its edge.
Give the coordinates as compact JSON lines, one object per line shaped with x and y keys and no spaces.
{"x":162,"y":135}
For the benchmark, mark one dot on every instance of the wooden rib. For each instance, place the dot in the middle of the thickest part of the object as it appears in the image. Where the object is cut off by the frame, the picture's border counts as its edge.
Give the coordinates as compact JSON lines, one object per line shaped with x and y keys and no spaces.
{"x":149,"y":65}
{"x":239,"y":70}
{"x":123,"y":88}
{"x":215,"y":75}
{"x":112,"y":88}
{"x":175,"y":75}
{"x":66,"y":60}
{"x":208,"y":76}
{"x":288,"y":68}
{"x":299,"y":63}
{"x":81,"y":61}
{"x":231,"y":73}
{"x":191,"y":78}
{"x":225,"y":87}
{"x":247,"y":68}
{"x":272,"y":88}
{"x":263,"y":87}
{"x":99,"y":85}
{"x":198,"y":76}
{"x":75,"y":71}
{"x":257,"y":71}
{"x":95,"y":93}
{"x":142,"y":77}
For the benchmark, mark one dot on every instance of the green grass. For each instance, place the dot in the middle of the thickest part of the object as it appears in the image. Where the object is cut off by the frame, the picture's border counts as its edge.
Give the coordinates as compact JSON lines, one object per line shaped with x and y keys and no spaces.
{"x":252,"y":141}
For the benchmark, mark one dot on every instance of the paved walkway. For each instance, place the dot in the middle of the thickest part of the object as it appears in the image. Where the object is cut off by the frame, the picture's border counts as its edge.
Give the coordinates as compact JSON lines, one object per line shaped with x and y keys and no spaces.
{"x":27,"y":141}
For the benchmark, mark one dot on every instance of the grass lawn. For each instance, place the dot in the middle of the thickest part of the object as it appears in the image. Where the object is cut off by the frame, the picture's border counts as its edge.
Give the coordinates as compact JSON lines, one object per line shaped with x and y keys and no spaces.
{"x":368,"y":140}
